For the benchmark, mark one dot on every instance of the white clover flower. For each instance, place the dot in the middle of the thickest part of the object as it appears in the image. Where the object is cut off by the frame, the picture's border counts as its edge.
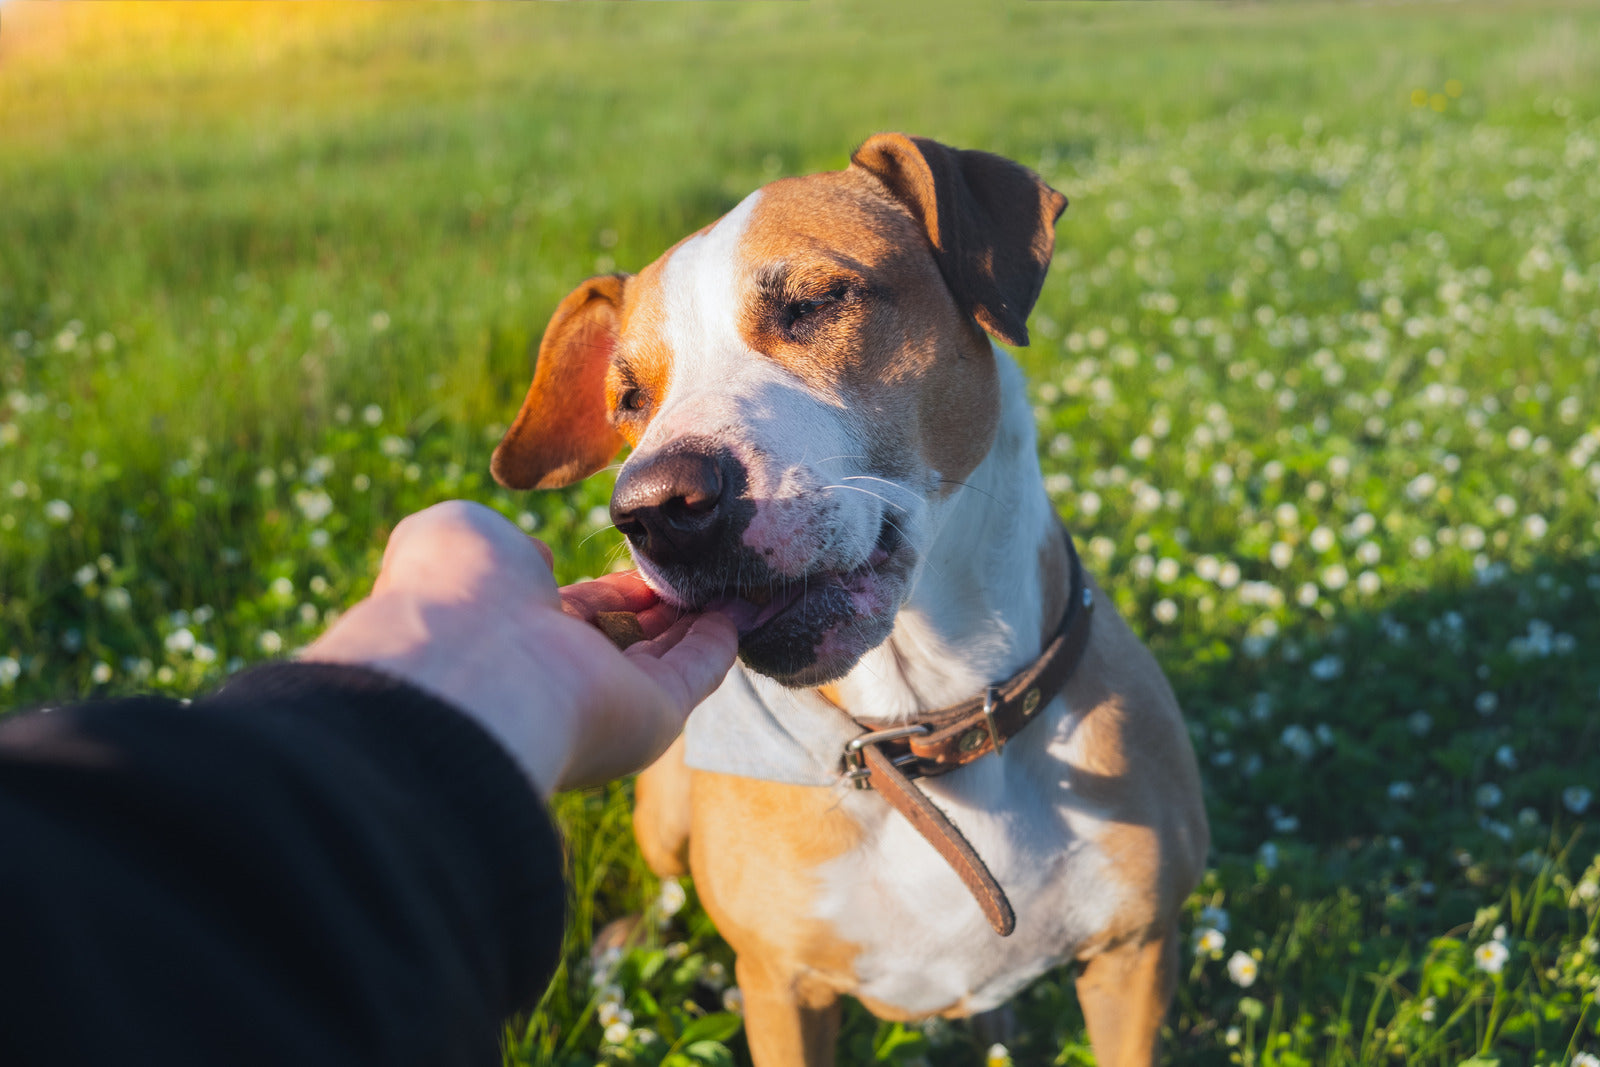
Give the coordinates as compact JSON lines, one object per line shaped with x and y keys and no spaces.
{"x":1490,"y":956}
{"x":1242,"y":968}
{"x":611,"y":1011}
{"x":270,"y":642}
{"x":372,"y":414}
{"x":1089,"y":504}
{"x":1208,"y":940}
{"x":1297,"y":739}
{"x":1335,"y":578}
{"x":1167,"y":570}
{"x":1585,"y":1059}
{"x":1429,"y":1009}
{"x":617,"y":1033}
{"x":314,"y":504}
{"x":733,"y":1000}
{"x":1368,"y":583}
{"x":58,"y":512}
{"x":1232,"y":1036}
{"x":677,"y":950}
{"x":1207,"y":568}
{"x":1486,"y":702}
{"x":180,"y":640}
{"x":1281,"y":554}
{"x":1576,"y":799}
{"x":394,"y":447}
{"x":1401,"y":792}
{"x":1322,"y":539}
{"x":282,"y":587}
{"x":204,"y":654}
{"x":1307,"y":594}
{"x":1327,"y":668}
{"x":1506,"y":757}
{"x":361,"y":483}
{"x":1535,"y":526}
{"x":101,"y":674}
{"x":117,"y":599}
{"x":85,"y":574}
{"x":1165,"y":611}
{"x":1488,"y":795}
{"x":1506,"y":506}
{"x":10,"y":671}
{"x":1286,"y":515}
{"x":528,"y":521}
{"x":1268,"y":855}
{"x":997,"y":1056}
{"x":672,"y":898}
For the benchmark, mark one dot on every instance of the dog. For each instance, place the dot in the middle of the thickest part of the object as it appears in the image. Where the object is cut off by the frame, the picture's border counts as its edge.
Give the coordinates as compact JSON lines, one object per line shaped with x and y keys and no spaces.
{"x":828,"y":446}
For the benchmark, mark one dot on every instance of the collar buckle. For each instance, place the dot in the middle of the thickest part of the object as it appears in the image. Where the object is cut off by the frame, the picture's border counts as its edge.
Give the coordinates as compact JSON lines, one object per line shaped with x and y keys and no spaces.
{"x":855,"y":762}
{"x":991,"y":699}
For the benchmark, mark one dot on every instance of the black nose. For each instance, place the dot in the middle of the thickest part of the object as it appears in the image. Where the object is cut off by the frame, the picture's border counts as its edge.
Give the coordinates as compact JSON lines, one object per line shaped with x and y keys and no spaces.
{"x":675,"y":507}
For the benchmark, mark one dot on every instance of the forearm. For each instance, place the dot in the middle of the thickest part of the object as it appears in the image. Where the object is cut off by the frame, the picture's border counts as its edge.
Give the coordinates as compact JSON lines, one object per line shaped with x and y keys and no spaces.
{"x":315,"y":864}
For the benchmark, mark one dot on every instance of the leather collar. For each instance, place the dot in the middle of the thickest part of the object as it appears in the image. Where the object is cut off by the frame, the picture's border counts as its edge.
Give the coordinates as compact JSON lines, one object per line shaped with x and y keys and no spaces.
{"x":886,"y":760}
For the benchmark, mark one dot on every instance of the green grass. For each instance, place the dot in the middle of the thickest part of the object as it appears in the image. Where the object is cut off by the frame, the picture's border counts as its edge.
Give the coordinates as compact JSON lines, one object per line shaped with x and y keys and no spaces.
{"x":1315,"y":372}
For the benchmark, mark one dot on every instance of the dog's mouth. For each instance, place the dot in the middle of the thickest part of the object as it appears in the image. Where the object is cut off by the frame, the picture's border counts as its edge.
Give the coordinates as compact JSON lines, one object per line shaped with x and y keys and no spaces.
{"x":768,"y":603}
{"x":811,"y":629}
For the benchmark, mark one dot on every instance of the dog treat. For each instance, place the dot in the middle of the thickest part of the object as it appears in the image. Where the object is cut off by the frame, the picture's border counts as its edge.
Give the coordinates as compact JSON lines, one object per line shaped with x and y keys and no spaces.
{"x":621,"y":626}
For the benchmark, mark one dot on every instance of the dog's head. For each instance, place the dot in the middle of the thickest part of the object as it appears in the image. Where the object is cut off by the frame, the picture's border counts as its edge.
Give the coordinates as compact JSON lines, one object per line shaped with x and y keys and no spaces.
{"x":801,"y":383}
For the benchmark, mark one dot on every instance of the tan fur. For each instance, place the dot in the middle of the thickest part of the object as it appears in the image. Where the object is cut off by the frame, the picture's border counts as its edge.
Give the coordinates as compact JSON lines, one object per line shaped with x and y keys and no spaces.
{"x":900,"y":351}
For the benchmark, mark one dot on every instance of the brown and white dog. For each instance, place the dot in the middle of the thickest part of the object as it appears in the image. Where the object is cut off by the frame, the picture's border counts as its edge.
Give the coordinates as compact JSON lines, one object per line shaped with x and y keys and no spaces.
{"x":826,"y":445}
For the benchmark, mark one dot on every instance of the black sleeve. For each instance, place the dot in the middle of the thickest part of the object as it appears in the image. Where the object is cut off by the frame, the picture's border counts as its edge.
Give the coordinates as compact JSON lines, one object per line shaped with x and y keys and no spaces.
{"x":314,"y":865}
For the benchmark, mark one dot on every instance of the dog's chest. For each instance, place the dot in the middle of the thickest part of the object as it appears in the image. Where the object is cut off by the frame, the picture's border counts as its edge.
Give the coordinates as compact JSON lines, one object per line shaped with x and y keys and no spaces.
{"x":922,"y":944}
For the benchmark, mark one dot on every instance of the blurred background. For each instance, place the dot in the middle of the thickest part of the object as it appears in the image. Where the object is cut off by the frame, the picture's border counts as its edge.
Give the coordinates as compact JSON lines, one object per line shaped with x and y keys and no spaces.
{"x":1314,"y":369}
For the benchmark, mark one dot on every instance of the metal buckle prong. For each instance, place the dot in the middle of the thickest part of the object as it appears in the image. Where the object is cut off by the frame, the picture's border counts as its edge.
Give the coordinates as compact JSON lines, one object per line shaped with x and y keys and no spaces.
{"x":991,"y":697}
{"x":855,"y":764}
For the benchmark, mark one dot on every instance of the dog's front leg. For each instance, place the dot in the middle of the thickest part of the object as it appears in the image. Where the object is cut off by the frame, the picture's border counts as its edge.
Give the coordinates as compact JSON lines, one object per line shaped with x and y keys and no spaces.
{"x":789,"y":1022}
{"x":1124,"y":992}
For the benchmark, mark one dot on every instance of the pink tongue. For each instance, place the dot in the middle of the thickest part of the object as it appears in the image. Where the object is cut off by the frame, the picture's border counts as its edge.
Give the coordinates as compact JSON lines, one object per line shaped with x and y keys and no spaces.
{"x":747,"y":616}
{"x":742,"y":613}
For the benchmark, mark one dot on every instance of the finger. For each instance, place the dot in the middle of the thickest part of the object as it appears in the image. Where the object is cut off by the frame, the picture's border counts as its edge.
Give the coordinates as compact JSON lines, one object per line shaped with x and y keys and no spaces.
{"x":545,"y":551}
{"x":690,"y":660}
{"x":586,"y":599}
{"x":661,"y":617}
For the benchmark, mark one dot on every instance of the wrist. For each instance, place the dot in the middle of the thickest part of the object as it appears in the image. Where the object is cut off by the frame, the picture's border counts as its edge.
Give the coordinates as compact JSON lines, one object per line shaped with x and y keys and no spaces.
{"x":447,"y":650}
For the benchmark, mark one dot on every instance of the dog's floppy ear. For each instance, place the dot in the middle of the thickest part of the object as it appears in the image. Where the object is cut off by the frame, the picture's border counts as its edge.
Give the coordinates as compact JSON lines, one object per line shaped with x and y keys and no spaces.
{"x":562,"y":434}
{"x":992,"y":223}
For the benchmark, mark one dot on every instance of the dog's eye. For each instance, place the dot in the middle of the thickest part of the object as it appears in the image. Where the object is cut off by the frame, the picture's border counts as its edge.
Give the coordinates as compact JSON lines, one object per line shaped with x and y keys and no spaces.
{"x":631,"y":400}
{"x":796,"y":310}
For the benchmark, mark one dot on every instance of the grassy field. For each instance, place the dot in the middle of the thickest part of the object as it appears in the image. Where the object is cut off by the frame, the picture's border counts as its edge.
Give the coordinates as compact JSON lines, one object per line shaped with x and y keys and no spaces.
{"x":1316,"y":374}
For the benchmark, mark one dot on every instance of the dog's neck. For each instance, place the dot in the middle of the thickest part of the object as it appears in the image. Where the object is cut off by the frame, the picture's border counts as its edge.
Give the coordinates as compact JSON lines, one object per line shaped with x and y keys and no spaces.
{"x":995,"y":569}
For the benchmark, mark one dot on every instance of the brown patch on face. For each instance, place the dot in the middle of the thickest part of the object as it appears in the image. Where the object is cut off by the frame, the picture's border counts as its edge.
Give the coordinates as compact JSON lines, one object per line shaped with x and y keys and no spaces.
{"x":641,"y":366}
{"x":754,"y":850}
{"x":844,"y":293}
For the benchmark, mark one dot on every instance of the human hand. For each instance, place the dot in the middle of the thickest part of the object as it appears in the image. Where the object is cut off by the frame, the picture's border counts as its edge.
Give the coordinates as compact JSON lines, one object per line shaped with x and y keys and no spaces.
{"x":465,"y":606}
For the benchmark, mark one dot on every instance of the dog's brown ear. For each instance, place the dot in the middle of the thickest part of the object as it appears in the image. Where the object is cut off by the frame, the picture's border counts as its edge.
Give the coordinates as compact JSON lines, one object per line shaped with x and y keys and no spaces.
{"x":992,"y":223}
{"x":562,"y":434}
